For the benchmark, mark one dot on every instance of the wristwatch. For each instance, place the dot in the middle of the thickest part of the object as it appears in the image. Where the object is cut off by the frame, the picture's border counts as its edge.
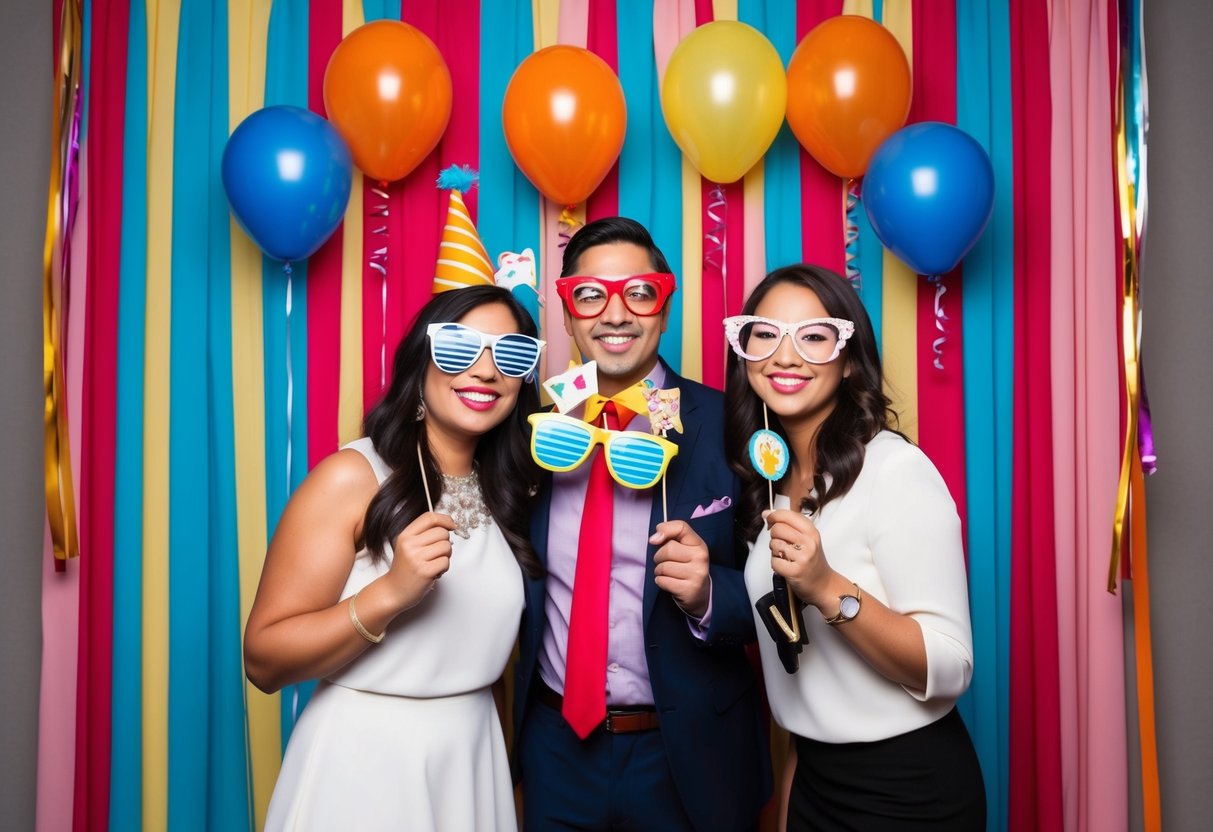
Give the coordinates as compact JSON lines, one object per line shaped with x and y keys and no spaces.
{"x":848,"y":606}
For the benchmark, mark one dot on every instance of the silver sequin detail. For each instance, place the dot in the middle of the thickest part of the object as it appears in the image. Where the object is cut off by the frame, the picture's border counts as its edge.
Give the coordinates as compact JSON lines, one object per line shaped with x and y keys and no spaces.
{"x":462,"y":499}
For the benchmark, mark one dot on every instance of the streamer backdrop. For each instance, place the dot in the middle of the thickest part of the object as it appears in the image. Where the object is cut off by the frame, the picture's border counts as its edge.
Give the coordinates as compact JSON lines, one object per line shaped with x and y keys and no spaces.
{"x":214,"y":381}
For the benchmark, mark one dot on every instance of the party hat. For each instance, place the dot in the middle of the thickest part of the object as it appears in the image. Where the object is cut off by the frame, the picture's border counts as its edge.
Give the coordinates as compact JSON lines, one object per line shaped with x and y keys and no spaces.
{"x":462,"y":259}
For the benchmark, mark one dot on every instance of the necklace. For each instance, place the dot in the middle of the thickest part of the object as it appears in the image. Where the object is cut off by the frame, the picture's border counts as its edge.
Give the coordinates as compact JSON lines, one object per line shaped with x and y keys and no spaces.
{"x":464,"y":502}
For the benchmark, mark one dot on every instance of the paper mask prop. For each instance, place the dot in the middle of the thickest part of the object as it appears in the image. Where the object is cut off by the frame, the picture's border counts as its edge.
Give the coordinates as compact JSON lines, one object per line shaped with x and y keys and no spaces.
{"x":573,"y":386}
{"x":769,"y":454}
{"x":517,"y":270}
{"x":663,"y":409}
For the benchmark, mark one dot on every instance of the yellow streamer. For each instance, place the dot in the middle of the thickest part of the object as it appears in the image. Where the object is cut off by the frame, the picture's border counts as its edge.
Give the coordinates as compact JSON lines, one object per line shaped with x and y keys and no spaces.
{"x":349,"y":389}
{"x":163,"y":21}
{"x":247,"y":29}
{"x":545,"y":16}
{"x":692,"y":272}
{"x":724,"y":9}
{"x":60,"y":498}
{"x":349,"y":395}
{"x":900,"y":285}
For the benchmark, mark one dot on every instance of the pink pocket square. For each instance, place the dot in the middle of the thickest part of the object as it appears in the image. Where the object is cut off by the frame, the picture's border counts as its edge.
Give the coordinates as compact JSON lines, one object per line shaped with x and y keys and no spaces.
{"x":714,"y":507}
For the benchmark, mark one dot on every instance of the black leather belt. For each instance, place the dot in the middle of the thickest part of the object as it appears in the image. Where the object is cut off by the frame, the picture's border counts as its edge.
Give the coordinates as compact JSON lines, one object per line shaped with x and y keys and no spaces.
{"x":619,"y":720}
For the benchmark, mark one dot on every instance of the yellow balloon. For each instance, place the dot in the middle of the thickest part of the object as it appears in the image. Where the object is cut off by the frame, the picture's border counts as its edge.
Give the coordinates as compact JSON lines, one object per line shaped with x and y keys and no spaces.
{"x":723,"y":97}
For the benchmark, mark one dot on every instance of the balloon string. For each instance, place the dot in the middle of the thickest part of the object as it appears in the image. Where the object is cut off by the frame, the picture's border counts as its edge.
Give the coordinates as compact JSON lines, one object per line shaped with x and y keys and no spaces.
{"x":290,"y":378}
{"x":851,"y":232}
{"x":940,"y":318}
{"x":378,"y":262}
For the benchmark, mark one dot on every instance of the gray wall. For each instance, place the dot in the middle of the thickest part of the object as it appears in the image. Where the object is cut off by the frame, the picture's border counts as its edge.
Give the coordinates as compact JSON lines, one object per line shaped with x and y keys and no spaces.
{"x":1177,"y":348}
{"x":1178,"y":354}
{"x":25,"y":63}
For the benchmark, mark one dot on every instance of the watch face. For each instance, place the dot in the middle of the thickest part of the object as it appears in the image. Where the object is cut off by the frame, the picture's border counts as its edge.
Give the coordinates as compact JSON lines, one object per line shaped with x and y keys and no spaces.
{"x":848,"y":606}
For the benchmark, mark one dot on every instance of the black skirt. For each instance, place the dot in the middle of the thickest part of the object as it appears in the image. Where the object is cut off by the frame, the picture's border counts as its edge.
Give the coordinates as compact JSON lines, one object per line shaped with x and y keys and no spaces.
{"x":928,"y":778}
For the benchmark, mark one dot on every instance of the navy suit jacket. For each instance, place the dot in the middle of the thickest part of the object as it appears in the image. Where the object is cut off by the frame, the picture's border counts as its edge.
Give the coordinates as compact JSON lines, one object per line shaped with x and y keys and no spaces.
{"x":705,"y":692}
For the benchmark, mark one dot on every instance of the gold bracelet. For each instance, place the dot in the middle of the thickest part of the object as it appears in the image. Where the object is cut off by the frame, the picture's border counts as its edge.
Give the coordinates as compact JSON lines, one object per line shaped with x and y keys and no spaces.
{"x":362,"y":631}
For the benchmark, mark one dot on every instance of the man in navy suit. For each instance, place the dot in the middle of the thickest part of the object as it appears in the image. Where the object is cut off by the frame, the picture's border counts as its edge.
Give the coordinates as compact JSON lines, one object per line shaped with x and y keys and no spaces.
{"x":678,"y":743}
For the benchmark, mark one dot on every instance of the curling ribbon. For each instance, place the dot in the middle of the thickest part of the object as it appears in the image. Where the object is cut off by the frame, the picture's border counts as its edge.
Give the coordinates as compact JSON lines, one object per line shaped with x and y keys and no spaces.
{"x":714,"y":298}
{"x":1128,"y":338}
{"x":1145,"y":433}
{"x":851,"y":232}
{"x":61,"y":198}
{"x":940,"y":317}
{"x":714,"y":254}
{"x":378,"y":262}
{"x":567,"y":221}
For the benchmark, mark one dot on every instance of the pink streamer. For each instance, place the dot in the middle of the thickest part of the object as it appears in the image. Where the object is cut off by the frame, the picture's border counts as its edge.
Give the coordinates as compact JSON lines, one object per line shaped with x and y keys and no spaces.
{"x":61,"y":589}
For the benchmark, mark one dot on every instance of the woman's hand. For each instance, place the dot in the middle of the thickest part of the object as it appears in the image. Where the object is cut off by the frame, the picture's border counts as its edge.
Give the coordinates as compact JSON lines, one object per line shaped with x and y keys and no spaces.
{"x":796,"y":555}
{"x":421,"y":555}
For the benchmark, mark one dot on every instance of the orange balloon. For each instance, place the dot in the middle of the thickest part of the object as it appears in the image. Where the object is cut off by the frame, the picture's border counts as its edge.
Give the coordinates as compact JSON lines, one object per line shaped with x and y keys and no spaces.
{"x":388,"y":92}
{"x":564,"y":118}
{"x":848,"y":91}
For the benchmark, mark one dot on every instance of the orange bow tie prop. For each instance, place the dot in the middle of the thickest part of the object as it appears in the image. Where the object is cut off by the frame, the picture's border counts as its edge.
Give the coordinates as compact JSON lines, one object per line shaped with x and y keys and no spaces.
{"x":631,"y":399}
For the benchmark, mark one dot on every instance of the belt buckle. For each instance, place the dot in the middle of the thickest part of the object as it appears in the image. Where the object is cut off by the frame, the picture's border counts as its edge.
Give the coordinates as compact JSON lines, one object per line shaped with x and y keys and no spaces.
{"x":612,"y":728}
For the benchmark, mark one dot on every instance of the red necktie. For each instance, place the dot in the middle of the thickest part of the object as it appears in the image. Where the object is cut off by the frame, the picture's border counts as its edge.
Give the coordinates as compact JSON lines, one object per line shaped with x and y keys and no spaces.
{"x":585,"y":668}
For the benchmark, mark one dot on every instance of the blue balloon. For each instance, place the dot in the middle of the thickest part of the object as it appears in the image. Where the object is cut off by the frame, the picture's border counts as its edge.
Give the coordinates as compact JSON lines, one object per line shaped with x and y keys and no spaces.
{"x":929,"y":193}
{"x":287,"y":174}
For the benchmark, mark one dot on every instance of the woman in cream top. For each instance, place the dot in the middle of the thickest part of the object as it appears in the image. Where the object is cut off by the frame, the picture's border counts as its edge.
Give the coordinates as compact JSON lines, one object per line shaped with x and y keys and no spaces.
{"x":870,"y":644}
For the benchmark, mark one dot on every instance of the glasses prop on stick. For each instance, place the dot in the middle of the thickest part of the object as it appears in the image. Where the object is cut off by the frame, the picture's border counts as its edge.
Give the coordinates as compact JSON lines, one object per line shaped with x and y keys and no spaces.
{"x":560,"y":443}
{"x":779,"y":608}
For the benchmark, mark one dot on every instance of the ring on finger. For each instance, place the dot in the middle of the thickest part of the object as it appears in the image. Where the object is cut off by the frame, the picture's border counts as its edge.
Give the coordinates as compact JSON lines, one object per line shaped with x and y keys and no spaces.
{"x":797,"y":546}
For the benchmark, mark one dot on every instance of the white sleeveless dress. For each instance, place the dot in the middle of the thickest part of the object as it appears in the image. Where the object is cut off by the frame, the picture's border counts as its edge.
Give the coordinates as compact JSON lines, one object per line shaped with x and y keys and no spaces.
{"x":406,"y":736}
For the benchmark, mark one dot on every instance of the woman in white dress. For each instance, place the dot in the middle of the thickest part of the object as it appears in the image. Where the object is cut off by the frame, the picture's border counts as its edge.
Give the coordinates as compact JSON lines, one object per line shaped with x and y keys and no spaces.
{"x":395,"y":577}
{"x":867,"y":537}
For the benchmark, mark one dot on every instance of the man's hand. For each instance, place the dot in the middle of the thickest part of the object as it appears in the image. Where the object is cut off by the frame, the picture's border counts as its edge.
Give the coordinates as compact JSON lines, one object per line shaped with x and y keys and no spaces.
{"x":682,"y":566}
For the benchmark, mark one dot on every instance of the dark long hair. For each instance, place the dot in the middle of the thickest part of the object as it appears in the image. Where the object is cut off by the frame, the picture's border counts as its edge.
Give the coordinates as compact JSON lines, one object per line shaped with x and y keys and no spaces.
{"x":607,"y":230}
{"x":861,"y":408}
{"x":508,"y":477}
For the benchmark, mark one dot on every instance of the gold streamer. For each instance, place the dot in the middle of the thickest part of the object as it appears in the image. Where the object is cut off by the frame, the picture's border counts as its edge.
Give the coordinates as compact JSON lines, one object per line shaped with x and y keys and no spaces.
{"x":60,"y":500}
{"x":1128,"y":336}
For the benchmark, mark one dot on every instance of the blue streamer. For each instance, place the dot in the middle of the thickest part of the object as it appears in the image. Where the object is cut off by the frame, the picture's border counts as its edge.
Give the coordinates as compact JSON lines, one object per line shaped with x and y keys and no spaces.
{"x":286,"y":74}
{"x":380,"y":10}
{"x":983,"y":111}
{"x":871,"y":271}
{"x":650,"y":165}
{"x":207,"y":769}
{"x":781,"y":182}
{"x":508,"y":218}
{"x":126,"y":749}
